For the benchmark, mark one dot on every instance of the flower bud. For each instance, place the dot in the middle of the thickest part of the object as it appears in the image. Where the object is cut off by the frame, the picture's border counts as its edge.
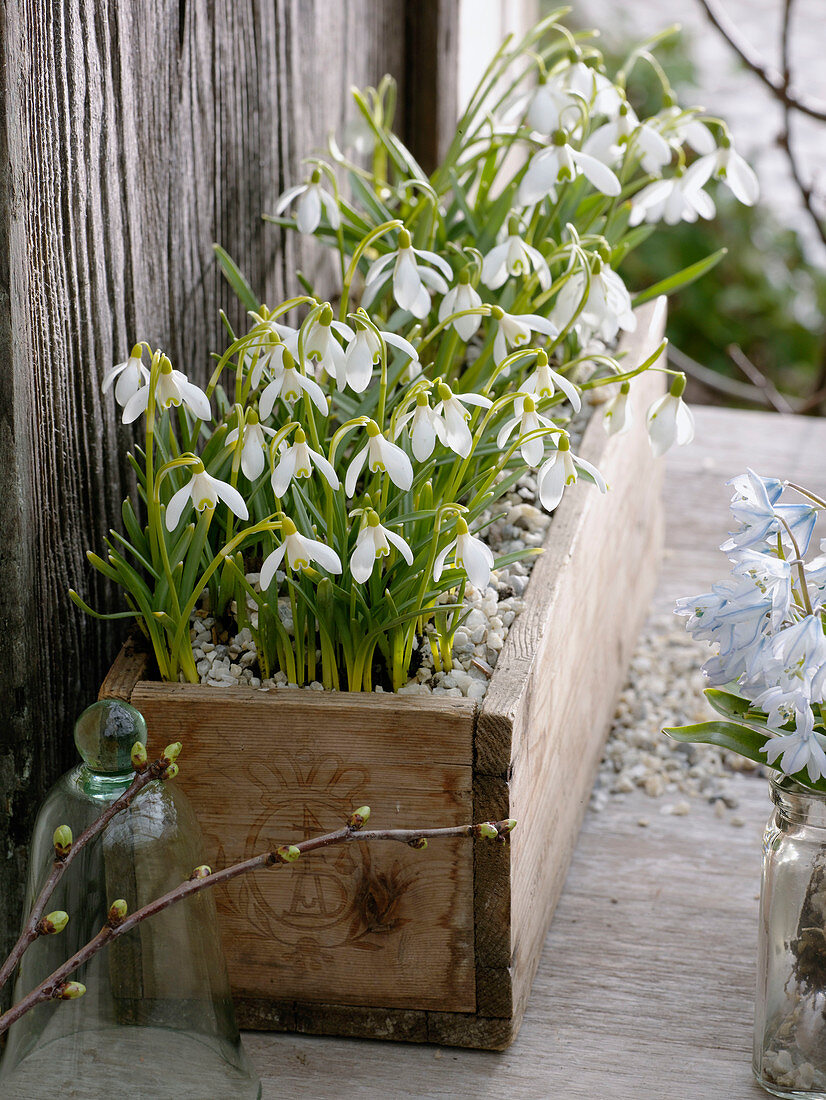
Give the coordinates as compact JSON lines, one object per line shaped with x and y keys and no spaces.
{"x":418,"y":842}
{"x":139,"y":757}
{"x":171,"y":753}
{"x":52,"y":923}
{"x":62,"y":841}
{"x":287,"y":853}
{"x":508,"y":825}
{"x":487,"y":830}
{"x":68,"y":991}
{"x":201,"y":872}
{"x":171,"y":771}
{"x":117,"y":911}
{"x":359,"y":818}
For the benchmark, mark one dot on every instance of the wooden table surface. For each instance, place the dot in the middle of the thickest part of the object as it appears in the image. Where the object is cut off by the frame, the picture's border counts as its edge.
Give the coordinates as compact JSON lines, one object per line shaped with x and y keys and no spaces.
{"x":645,"y":986}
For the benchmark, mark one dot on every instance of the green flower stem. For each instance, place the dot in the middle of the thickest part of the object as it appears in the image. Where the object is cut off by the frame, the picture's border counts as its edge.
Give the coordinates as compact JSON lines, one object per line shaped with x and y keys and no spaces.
{"x":374,"y":235}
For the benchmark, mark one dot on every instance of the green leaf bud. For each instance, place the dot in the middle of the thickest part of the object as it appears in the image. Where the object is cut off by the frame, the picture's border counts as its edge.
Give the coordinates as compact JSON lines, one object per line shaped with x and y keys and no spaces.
{"x":418,"y":842}
{"x":359,"y":818}
{"x":171,"y":771}
{"x":62,"y":841}
{"x":52,"y":923}
{"x":487,"y":830}
{"x":117,"y":911}
{"x":139,"y":757}
{"x":287,"y":853}
{"x":171,"y":753}
{"x":68,"y":991}
{"x":201,"y":872}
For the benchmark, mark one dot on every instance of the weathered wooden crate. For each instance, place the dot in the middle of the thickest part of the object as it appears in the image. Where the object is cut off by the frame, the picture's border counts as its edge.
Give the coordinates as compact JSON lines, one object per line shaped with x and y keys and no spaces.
{"x":441,"y":945}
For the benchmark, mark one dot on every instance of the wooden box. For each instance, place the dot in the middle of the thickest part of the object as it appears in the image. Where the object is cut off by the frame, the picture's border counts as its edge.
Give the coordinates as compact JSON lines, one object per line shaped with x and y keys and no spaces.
{"x":440,"y":945}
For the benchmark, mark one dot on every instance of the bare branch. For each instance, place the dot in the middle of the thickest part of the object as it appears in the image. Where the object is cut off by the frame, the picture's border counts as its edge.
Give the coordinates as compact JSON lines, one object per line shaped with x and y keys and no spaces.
{"x":771,"y":78}
{"x":772,"y":395}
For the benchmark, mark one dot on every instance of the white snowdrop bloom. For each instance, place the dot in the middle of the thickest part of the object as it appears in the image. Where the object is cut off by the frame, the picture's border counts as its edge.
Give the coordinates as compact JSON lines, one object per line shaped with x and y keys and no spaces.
{"x":373,"y":542}
{"x":470,"y":554}
{"x":461,"y":297}
{"x":544,"y":382}
{"x":670,"y":420}
{"x":559,"y":100}
{"x":607,"y":309}
{"x":299,"y":552}
{"x":203,"y":491}
{"x":364,"y":352}
{"x":410,"y":278}
{"x":253,"y":445}
{"x":552,"y":106}
{"x":131,"y":375}
{"x":619,"y":415}
{"x":422,"y":421}
{"x":528,"y":420}
{"x":514,"y":257}
{"x":289,"y":384}
{"x":452,"y":417}
{"x":561,"y":470}
{"x":299,"y":460}
{"x":560,"y":163}
{"x":671,"y":200}
{"x":727,"y":165}
{"x":312,"y":201}
{"x":683,"y":127}
{"x":513,"y":330}
{"x":610,"y":141}
{"x":321,"y":346}
{"x":381,"y":456}
{"x":600,"y":93}
{"x":172,"y":388}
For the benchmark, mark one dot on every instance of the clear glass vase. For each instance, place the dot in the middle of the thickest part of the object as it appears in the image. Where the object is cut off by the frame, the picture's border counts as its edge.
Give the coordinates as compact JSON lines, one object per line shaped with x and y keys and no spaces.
{"x":156,"y":1021}
{"x":790,"y":1009}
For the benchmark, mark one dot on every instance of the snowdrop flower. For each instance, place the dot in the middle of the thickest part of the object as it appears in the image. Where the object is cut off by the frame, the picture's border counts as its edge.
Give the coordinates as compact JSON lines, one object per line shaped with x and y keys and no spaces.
{"x":469,"y":553}
{"x":544,"y":382}
{"x":364,"y":351}
{"x":727,"y":165}
{"x":670,"y":420}
{"x":321,"y":345}
{"x":172,"y":388}
{"x":607,"y":308}
{"x":289,"y":384}
{"x":609,"y":142}
{"x":381,"y":456}
{"x":553,"y":106}
{"x":203,"y":491}
{"x":671,"y":200}
{"x":619,"y":414}
{"x":298,"y":460}
{"x":514,"y":330}
{"x":559,"y":100}
{"x":410,"y":278}
{"x":560,"y":471}
{"x":373,"y":542}
{"x":253,"y":445}
{"x":461,"y":297}
{"x":684,"y":127}
{"x":299,"y":552}
{"x":514,"y":257}
{"x":312,"y":200}
{"x":131,"y":375}
{"x":451,"y":418}
{"x":560,"y":163}
{"x":528,"y":420}
{"x":422,"y":420}
{"x":798,"y":750}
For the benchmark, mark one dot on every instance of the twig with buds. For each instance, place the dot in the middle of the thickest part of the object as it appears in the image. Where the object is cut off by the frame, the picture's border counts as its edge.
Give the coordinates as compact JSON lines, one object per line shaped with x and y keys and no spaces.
{"x":66,"y":849}
{"x":120,"y":921}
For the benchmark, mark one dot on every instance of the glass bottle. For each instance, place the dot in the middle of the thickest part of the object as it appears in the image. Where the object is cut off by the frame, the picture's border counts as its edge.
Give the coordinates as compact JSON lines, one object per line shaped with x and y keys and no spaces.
{"x":790,"y":1009}
{"x":156,"y":1020}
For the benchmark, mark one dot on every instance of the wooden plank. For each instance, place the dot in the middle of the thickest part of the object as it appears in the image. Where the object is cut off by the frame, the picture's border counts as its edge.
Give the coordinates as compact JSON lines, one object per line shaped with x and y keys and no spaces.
{"x":352,"y":926}
{"x":432,"y":29}
{"x":132,"y":136}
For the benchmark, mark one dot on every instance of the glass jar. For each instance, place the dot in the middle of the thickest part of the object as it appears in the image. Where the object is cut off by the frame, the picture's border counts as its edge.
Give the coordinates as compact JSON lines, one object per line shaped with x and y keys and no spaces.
{"x":156,"y":1021}
{"x":790,"y":1009}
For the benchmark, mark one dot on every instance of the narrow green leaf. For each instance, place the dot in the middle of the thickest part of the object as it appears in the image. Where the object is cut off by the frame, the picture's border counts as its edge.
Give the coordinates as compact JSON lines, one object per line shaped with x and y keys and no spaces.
{"x":236,"y":280}
{"x":680,"y":278}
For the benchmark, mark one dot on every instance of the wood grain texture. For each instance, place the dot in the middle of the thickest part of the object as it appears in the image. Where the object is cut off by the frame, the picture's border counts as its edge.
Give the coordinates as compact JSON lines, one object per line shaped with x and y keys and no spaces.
{"x":132,"y":136}
{"x":646,"y":981}
{"x":379,"y":927}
